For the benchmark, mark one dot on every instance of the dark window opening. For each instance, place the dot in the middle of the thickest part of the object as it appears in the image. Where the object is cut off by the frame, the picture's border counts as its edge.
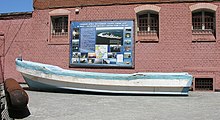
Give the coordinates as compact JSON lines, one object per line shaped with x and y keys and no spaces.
{"x":204,"y":84}
{"x":148,"y":23}
{"x":59,"y":25}
{"x":203,"y":21}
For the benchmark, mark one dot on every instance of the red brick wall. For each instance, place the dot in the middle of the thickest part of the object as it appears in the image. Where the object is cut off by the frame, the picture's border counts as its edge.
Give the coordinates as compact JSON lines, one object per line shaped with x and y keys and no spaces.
{"x":45,"y":4}
{"x":175,"y":51}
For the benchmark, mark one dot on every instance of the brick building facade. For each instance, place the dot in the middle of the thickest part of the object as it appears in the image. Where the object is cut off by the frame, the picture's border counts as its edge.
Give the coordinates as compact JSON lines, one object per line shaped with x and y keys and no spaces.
{"x":186,"y":37}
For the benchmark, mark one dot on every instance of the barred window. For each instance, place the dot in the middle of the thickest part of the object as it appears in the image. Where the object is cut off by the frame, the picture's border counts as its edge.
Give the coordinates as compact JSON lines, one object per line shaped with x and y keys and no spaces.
{"x":203,"y":20}
{"x":59,"y":25}
{"x":148,"y":22}
{"x":204,"y":84}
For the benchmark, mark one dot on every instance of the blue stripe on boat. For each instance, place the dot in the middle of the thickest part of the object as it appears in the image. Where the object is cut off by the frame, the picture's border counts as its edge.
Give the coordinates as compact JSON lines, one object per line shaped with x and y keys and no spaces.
{"x":50,"y":69}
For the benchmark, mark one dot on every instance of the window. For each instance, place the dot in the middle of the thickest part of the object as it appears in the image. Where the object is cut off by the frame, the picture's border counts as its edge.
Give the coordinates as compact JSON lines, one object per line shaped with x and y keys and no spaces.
{"x":203,"y":25}
{"x":147,"y":26}
{"x":148,"y":22}
{"x":203,"y":20}
{"x":59,"y":25}
{"x":204,"y":84}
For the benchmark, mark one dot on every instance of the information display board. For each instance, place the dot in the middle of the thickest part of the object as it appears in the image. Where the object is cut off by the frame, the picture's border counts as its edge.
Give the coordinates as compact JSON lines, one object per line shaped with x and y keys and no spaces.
{"x":101,"y":44}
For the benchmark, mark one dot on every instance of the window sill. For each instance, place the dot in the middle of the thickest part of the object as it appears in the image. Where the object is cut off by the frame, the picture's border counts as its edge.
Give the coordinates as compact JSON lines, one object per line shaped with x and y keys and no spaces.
{"x":147,"y":37}
{"x":59,"y":40}
{"x":203,"y":36}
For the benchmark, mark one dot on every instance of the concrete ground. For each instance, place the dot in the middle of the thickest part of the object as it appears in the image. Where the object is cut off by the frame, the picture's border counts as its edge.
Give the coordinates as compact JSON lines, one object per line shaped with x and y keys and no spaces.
{"x":63,"y":106}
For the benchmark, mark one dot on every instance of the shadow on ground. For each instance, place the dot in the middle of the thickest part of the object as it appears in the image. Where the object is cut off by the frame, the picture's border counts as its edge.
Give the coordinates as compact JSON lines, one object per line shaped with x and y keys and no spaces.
{"x":65,"y":91}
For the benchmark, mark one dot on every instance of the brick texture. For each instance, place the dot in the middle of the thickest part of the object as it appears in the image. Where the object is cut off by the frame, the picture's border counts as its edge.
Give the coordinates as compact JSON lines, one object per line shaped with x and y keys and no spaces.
{"x":45,"y":4}
{"x":174,"y":52}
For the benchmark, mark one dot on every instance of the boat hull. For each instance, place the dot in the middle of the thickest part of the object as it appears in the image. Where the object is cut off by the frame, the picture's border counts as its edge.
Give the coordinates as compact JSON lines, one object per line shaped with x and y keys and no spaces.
{"x":134,"y":84}
{"x":48,"y":85}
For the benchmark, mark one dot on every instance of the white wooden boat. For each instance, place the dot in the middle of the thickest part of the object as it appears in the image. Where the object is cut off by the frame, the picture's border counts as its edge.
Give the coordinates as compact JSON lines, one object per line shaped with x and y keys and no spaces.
{"x":48,"y":77}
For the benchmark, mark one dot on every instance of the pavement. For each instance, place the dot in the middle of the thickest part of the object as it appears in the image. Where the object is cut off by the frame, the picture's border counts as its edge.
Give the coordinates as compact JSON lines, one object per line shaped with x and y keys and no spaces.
{"x":83,"y":106}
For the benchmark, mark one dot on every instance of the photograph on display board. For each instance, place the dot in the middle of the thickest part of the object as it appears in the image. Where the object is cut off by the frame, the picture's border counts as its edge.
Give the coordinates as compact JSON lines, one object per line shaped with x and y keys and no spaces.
{"x":83,"y":60}
{"x":113,"y":61}
{"x":106,"y":61}
{"x":109,"y":36}
{"x":120,"y":58}
{"x":127,"y":61}
{"x":75,"y":45}
{"x":75,"y":48}
{"x":75,"y":60}
{"x":91,"y":61}
{"x":127,"y":35}
{"x":76,"y":55}
{"x":101,"y":51}
{"x":84,"y":55}
{"x":98,"y":61}
{"x":127,"y":55}
{"x":128,"y":29}
{"x":75,"y":33}
{"x":91,"y":55}
{"x":127,"y":48}
{"x":112,"y":55}
{"x":115,"y":48}
{"x":127,"y":42}
{"x":75,"y":42}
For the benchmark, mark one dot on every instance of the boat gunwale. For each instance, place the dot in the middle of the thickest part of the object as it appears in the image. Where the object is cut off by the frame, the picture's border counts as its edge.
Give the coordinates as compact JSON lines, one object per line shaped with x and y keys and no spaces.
{"x":51,"y":69}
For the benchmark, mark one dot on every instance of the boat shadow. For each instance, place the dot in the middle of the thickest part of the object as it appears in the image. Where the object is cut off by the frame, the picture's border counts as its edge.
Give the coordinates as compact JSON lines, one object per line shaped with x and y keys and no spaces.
{"x":65,"y":91}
